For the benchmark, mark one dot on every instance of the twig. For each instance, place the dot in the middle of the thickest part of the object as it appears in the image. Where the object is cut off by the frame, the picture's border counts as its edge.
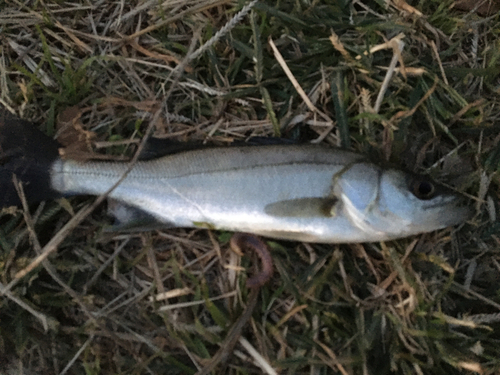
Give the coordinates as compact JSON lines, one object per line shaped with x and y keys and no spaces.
{"x":397,"y":46}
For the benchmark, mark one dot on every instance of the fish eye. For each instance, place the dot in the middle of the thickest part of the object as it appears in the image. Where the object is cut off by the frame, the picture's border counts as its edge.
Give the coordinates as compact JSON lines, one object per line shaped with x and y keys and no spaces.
{"x":423,"y":189}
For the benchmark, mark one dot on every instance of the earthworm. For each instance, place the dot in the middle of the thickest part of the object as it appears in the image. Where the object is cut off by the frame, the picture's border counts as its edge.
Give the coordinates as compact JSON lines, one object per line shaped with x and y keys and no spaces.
{"x":245,"y":240}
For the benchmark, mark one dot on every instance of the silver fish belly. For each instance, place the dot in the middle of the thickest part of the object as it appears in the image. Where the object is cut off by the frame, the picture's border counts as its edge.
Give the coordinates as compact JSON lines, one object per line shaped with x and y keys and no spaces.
{"x":304,"y":193}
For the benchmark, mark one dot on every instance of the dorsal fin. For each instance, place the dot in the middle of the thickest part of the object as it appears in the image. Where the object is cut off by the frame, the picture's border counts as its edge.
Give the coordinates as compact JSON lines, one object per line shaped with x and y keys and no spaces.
{"x":158,"y":147}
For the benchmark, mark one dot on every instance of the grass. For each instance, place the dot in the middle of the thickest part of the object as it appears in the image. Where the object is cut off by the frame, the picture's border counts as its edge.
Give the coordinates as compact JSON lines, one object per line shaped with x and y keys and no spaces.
{"x":161,"y":302}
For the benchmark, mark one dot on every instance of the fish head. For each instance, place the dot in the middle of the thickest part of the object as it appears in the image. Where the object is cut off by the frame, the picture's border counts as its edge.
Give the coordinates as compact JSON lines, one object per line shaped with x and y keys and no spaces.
{"x":419,"y":204}
{"x":389,"y":203}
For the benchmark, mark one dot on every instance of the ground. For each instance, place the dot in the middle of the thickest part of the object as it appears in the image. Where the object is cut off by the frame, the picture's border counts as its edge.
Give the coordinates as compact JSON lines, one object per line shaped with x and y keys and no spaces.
{"x":413,"y":84}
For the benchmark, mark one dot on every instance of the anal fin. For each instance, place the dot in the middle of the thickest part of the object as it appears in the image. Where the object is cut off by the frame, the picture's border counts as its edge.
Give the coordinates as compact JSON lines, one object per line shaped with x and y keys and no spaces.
{"x":132,"y":219}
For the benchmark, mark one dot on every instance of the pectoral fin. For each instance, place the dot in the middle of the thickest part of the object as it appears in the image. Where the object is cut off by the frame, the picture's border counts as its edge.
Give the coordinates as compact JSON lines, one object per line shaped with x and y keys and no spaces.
{"x":303,"y":207}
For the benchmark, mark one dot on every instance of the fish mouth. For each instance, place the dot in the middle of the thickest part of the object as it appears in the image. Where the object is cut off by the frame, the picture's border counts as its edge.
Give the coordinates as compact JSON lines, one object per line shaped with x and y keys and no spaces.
{"x":456,"y":211}
{"x":458,"y":214}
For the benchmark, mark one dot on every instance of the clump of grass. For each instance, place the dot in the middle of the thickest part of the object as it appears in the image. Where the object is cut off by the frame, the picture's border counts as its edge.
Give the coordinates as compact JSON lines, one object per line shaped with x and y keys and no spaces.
{"x":416,"y":87}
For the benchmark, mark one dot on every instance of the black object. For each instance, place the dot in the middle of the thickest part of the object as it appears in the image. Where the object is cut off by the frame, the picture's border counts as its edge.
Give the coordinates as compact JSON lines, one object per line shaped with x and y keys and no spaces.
{"x":29,"y":154}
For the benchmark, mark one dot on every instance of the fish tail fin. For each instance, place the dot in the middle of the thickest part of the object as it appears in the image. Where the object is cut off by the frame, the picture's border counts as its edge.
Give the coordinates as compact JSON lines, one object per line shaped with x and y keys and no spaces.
{"x":27,"y":153}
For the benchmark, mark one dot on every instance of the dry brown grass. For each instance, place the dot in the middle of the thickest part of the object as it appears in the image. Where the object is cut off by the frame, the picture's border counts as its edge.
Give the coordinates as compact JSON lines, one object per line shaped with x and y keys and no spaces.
{"x":417,"y":87}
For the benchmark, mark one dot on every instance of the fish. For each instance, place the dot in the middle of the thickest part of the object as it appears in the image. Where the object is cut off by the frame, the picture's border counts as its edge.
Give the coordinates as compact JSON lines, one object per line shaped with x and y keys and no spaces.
{"x":309,"y":193}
